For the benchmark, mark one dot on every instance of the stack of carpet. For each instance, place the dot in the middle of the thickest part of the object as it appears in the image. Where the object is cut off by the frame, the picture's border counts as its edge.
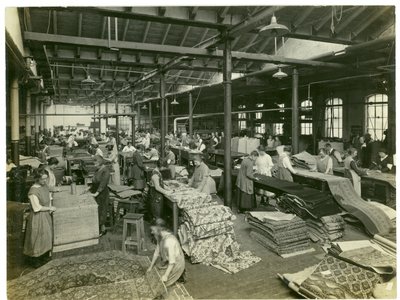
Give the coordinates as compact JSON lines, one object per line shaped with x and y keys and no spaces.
{"x":207,"y":234}
{"x":314,"y":204}
{"x":326,"y":229}
{"x":284,"y":234}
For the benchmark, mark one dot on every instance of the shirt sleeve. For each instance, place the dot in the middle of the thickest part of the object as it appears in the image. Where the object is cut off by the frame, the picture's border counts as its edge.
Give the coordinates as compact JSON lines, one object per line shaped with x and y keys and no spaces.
{"x":36,"y":207}
{"x":287,"y":164}
{"x":354,"y":167}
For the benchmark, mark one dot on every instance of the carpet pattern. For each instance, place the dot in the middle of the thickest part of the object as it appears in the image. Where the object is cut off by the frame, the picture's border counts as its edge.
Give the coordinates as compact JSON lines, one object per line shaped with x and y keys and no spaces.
{"x":335,"y":278}
{"x":106,"y":275}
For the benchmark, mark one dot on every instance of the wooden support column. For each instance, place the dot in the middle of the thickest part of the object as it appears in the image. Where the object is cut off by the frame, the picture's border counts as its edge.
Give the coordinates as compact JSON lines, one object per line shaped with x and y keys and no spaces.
{"x":163,"y":100}
{"x":14,"y":109}
{"x":150,"y":117}
{"x":227,"y":76}
{"x":391,"y":138}
{"x":41,"y":116}
{"x":190,"y":114}
{"x":138,"y":120}
{"x":295,"y":112}
{"x":99,"y":119}
{"x":37,"y":122}
{"x":94,"y":119}
{"x":106,"y":115}
{"x":166,"y":116}
{"x":28,"y":129}
{"x":116,"y":121}
{"x":44,"y":108}
{"x":133,"y":118}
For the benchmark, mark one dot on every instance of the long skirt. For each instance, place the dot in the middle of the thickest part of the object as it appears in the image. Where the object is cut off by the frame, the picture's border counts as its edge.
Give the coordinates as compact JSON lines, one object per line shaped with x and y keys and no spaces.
{"x":116,"y":176}
{"x":102,"y":201}
{"x":245,"y":201}
{"x":39,"y":234}
{"x":156,"y":201}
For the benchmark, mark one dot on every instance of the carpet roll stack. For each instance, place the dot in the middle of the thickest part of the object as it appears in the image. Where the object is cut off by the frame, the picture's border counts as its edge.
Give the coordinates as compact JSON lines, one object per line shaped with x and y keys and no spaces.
{"x":207,"y":234}
{"x":326,"y":229}
{"x":284,"y":234}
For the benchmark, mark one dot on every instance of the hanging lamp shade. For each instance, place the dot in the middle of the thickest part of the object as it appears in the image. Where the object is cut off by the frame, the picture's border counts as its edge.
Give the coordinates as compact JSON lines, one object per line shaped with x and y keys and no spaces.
{"x":88,"y":80}
{"x":274,"y":28}
{"x":174,"y":102}
{"x":280,"y":74}
{"x":144,"y":106}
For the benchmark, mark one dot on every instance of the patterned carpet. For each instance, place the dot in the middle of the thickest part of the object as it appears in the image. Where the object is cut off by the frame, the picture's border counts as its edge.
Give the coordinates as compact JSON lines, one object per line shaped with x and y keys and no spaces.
{"x":106,"y":275}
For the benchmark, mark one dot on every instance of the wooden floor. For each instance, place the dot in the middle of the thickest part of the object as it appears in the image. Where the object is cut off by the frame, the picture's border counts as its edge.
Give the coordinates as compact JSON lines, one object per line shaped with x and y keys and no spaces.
{"x":204,"y":282}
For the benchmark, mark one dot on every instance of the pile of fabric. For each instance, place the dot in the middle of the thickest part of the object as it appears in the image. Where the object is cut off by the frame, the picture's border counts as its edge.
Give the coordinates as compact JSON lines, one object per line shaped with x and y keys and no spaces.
{"x":326,"y":229}
{"x":352,"y":270}
{"x":207,"y":235}
{"x":304,"y":160}
{"x":284,"y":234}
{"x":315,"y":204}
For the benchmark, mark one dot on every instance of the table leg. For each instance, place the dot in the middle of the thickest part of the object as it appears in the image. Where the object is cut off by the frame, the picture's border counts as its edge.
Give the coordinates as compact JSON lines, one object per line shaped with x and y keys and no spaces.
{"x":175,"y":218}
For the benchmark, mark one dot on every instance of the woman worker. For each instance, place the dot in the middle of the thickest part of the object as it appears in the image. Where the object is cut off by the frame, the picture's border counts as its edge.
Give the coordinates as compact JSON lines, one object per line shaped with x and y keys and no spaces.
{"x":169,"y":251}
{"x":353,"y":172}
{"x":201,"y":179}
{"x":113,"y":159}
{"x":99,"y":191}
{"x":52,"y":163}
{"x":285,"y":169}
{"x":157,"y":189}
{"x":324,"y":162}
{"x":244,"y":183}
{"x":170,"y":158}
{"x":39,"y":227}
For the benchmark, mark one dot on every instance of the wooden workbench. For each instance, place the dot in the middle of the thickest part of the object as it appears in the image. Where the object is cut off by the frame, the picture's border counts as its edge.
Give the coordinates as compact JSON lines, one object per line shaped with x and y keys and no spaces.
{"x":75,"y":221}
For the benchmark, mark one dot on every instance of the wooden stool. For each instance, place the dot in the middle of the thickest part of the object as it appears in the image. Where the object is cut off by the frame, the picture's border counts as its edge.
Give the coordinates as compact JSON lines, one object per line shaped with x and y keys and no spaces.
{"x":137,"y":219}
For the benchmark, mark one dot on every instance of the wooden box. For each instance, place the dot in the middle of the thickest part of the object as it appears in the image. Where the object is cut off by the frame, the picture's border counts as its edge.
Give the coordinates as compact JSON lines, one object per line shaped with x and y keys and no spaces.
{"x":75,"y":221}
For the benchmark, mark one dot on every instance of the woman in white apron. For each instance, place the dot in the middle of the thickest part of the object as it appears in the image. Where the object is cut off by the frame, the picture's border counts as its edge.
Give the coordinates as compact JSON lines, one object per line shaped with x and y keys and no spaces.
{"x":353,"y":172}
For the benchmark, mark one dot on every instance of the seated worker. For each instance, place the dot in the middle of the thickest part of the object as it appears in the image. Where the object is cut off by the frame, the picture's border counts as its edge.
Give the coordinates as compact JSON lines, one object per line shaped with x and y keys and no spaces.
{"x":129,"y":148}
{"x":170,"y":252}
{"x":201,"y":179}
{"x":152,"y":153}
{"x":170,"y":159}
{"x":383,"y":163}
{"x":324,"y":162}
{"x":334,"y":154}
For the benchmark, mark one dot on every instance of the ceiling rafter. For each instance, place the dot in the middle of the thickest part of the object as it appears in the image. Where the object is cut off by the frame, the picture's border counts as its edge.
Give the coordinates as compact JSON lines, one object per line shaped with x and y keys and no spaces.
{"x":103,"y":30}
{"x":78,"y":49}
{"x":304,"y":15}
{"x":146,"y":31}
{"x":222,"y":14}
{"x":369,"y":20}
{"x":346,"y":22}
{"x":55,"y":29}
{"x":193,"y":12}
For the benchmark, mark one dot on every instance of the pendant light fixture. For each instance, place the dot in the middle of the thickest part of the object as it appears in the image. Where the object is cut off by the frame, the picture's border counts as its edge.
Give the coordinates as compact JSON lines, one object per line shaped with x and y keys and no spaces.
{"x":280,"y":74}
{"x":174,"y":102}
{"x":144,"y":107}
{"x":88,"y":80}
{"x":274,"y":28}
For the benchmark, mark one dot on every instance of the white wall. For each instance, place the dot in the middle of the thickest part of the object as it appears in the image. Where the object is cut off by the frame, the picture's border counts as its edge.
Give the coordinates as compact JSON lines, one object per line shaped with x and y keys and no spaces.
{"x":13,"y":27}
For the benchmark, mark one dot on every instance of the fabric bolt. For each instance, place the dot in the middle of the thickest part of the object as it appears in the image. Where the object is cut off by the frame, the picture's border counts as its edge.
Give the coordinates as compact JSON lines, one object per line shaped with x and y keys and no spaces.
{"x":335,"y":278}
{"x":105,"y":275}
{"x":374,"y":220}
{"x":209,"y":230}
{"x":272,"y":215}
{"x":209,"y":215}
{"x":372,"y":259}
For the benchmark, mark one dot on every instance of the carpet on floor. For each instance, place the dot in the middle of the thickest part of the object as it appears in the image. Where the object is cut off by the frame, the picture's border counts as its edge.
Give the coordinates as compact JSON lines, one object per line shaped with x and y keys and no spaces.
{"x":106,"y":275}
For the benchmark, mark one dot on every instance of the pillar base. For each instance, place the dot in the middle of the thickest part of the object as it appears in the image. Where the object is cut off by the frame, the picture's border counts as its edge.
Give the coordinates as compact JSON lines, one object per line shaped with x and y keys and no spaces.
{"x":15,"y":152}
{"x":28,"y":147}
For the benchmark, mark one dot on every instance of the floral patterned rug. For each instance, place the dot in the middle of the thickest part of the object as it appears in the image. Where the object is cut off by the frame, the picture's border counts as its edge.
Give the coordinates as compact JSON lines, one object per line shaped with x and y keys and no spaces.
{"x":106,"y":275}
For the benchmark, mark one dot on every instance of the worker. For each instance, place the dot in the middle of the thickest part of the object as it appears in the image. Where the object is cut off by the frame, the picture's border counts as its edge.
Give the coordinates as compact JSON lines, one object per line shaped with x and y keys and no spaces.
{"x":52,"y":163}
{"x":277,"y":142}
{"x":156,"y":191}
{"x":129,"y":148}
{"x":169,"y":250}
{"x":170,"y":159}
{"x":324,"y":162}
{"x":352,"y":171}
{"x":136,"y":171}
{"x":99,"y":190}
{"x":285,"y":169}
{"x":264,"y":165}
{"x":113,"y":159}
{"x":201,"y":179}
{"x":384,"y":162}
{"x":244,"y":184}
{"x":271,"y":142}
{"x":39,"y":226}
{"x":334,"y":154}
{"x":97,"y":150}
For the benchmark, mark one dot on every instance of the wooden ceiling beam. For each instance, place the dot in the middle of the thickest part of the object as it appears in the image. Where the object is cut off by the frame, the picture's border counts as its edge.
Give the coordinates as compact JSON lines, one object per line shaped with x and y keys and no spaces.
{"x":303,"y":16}
{"x":177,"y":18}
{"x":146,"y":31}
{"x":369,"y":20}
{"x":55,"y":31}
{"x":222,"y":14}
{"x":103,"y":30}
{"x":193,"y":12}
{"x":167,"y":49}
{"x":346,"y":22}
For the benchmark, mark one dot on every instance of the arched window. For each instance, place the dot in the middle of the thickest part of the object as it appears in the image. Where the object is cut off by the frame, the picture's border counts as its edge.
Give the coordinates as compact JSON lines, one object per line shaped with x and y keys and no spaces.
{"x":334,"y":118}
{"x":376,"y":118}
{"x":306,"y":117}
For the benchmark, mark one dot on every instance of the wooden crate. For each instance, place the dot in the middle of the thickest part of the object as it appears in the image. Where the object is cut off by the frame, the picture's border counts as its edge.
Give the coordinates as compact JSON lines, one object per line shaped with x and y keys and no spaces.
{"x":75,"y":221}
